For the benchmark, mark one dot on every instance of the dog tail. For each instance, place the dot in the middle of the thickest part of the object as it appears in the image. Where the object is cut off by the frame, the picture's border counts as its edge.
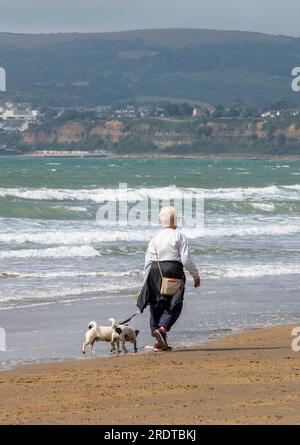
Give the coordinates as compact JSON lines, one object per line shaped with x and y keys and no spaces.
{"x":92,"y":324}
{"x":113,"y":323}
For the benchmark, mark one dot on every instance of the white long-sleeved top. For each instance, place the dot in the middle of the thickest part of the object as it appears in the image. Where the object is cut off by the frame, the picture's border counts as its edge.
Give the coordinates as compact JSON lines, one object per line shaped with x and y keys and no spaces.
{"x":170,"y":245}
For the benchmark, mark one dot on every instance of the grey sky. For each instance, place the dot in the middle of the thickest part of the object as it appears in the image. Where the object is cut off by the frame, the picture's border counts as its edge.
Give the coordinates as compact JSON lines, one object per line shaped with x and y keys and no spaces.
{"x":270,"y":16}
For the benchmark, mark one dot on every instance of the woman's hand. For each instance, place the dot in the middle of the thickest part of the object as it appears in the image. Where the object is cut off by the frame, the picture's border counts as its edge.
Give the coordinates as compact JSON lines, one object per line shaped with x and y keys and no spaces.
{"x":197,"y":282}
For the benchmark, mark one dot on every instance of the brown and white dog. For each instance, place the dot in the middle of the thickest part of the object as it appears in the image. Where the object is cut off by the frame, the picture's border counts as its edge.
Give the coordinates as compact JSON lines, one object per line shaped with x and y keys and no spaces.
{"x":113,"y":334}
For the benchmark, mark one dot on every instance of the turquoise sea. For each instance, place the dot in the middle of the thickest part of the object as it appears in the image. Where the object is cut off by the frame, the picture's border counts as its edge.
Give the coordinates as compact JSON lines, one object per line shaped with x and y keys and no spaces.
{"x":59,"y":269}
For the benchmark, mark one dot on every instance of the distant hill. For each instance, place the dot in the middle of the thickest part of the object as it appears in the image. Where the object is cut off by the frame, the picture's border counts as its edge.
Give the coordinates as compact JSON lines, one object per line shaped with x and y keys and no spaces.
{"x":174,"y":38}
{"x":196,"y":65}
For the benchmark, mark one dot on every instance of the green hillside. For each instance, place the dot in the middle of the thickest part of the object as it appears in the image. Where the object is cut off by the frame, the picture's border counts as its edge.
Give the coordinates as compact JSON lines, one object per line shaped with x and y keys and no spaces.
{"x":203,"y":66}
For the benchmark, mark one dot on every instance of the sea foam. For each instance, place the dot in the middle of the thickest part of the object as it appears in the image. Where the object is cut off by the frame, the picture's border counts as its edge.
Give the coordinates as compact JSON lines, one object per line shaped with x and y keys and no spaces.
{"x":99,"y":195}
{"x":55,"y":252}
{"x":81,"y":239}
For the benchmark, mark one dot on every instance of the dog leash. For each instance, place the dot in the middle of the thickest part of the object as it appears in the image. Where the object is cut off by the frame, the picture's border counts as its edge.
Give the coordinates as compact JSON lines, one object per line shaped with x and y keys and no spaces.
{"x":131,"y":317}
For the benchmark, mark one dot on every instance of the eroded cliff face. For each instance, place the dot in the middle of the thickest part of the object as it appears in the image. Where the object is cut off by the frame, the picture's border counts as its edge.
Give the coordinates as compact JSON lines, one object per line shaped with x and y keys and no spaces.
{"x":37,"y":137}
{"x":109,"y":131}
{"x":164,"y":139}
{"x":116,"y":132}
{"x":291,"y":132}
{"x":233,"y":129}
{"x":73,"y":132}
{"x":63,"y":134}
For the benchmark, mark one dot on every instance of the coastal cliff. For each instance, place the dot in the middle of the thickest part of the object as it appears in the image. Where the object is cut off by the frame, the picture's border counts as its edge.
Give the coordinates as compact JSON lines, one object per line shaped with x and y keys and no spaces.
{"x":168,"y":136}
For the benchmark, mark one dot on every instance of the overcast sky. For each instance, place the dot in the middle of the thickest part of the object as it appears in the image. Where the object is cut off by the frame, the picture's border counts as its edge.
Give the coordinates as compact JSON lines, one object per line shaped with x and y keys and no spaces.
{"x":35,"y":16}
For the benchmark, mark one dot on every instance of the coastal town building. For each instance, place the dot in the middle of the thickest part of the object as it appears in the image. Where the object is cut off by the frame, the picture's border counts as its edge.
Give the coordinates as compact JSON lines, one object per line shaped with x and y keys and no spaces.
{"x":17,"y":116}
{"x":202,"y":111}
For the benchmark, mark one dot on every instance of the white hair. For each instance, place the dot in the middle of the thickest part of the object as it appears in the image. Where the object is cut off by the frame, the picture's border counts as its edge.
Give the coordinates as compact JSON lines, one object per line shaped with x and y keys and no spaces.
{"x":167,"y":216}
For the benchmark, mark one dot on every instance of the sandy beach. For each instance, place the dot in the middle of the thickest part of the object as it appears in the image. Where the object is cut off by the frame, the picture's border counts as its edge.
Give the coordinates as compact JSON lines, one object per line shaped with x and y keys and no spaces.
{"x":162,"y":155}
{"x":248,"y":378}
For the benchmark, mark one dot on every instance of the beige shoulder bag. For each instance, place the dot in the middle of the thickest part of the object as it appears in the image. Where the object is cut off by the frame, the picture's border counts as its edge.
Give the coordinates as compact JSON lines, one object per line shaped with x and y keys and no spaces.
{"x":169,"y":286}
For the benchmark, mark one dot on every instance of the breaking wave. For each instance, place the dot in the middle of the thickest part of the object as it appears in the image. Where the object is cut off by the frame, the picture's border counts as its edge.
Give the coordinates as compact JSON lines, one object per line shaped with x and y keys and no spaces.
{"x":81,"y":239}
{"x":98,"y":195}
{"x":56,"y":252}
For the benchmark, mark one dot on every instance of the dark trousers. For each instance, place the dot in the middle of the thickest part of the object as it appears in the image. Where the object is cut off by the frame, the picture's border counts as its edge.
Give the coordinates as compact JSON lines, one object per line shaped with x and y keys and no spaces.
{"x":162,"y":315}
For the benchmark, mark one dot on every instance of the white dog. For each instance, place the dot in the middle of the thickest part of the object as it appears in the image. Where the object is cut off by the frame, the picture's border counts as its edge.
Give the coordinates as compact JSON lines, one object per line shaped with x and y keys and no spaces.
{"x":112,"y":334}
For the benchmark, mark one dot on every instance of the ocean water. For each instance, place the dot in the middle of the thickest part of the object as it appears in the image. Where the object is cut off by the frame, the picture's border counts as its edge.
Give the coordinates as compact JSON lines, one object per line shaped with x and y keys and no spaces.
{"x":59,"y":269}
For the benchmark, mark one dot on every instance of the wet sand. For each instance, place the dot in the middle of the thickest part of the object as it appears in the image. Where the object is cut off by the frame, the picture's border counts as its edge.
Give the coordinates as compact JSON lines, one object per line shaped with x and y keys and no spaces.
{"x":250,"y":378}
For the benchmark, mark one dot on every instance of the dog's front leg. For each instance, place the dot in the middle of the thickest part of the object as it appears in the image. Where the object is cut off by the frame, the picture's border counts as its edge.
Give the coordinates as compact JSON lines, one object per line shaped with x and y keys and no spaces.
{"x":135,"y":346}
{"x":85,"y":344}
{"x":118,"y":345}
{"x":123,"y":345}
{"x":92,"y":348}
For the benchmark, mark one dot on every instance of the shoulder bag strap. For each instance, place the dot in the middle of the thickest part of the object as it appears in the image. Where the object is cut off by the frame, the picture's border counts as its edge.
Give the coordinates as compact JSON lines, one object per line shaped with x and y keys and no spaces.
{"x":159,"y":264}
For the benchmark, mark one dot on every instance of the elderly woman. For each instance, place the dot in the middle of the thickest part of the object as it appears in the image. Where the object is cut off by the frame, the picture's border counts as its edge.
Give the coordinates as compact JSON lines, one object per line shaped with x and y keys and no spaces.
{"x":166,"y":257}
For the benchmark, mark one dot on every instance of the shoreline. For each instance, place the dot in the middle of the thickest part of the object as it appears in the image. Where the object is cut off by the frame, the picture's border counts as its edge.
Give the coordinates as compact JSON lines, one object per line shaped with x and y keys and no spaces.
{"x":212,"y":157}
{"x":248,"y":377}
{"x":226,"y":335}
